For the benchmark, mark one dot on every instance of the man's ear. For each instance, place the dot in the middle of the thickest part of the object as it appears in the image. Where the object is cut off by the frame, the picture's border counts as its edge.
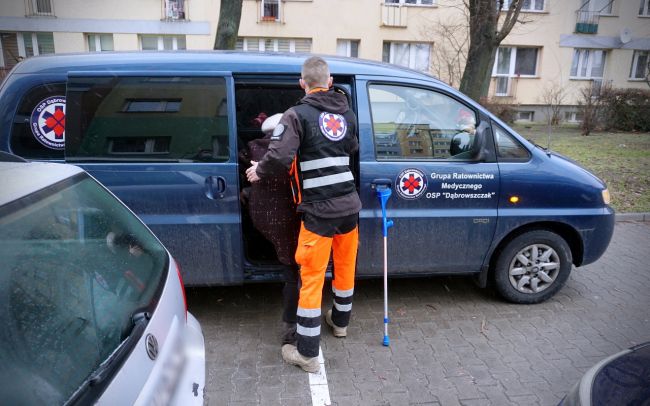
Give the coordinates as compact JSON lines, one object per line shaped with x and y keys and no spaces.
{"x":303,"y":85}
{"x":330,"y":82}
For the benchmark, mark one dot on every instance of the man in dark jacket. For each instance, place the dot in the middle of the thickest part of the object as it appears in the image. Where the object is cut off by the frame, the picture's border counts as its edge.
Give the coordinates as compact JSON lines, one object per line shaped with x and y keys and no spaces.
{"x":314,"y":142}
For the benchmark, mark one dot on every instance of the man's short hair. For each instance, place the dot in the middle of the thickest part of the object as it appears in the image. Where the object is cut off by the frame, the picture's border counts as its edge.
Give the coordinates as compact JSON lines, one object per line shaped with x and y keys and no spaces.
{"x":315,"y":72}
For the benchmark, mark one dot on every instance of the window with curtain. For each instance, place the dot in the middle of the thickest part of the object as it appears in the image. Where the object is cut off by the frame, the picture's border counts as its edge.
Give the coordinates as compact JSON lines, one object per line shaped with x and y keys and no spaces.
{"x":100,"y":42}
{"x":639,"y":68}
{"x":414,"y":55}
{"x":588,"y":63}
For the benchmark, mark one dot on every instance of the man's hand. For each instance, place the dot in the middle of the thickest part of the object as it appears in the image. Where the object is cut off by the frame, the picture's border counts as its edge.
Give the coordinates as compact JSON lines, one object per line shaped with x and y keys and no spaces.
{"x":251,"y":174}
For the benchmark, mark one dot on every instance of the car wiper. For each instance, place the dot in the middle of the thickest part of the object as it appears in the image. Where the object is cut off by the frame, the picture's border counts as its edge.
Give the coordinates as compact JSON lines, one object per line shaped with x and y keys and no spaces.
{"x":139,"y":319}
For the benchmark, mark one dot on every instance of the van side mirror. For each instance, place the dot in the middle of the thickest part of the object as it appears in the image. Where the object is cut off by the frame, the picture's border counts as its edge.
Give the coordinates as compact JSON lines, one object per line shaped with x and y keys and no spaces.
{"x":481,"y":149}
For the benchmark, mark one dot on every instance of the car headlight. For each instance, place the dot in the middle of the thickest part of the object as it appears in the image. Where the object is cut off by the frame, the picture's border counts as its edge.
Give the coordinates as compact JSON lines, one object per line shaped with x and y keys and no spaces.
{"x":606,"y":197}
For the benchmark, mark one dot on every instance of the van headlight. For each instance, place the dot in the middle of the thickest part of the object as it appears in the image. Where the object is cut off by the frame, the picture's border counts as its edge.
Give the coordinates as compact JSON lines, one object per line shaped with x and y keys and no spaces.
{"x":606,"y":197}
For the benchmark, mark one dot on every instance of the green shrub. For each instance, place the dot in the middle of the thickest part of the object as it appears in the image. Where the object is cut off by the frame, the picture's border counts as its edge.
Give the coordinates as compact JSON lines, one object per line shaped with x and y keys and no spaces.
{"x":505,"y":111}
{"x":625,"y":109}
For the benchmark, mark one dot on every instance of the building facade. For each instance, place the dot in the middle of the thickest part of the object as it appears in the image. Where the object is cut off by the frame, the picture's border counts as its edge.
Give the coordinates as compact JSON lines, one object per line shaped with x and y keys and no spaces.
{"x":561,"y":45}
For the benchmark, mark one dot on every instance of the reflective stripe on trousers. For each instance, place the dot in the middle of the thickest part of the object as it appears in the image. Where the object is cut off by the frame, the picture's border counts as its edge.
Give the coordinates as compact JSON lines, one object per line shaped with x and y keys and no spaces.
{"x":312,"y":255}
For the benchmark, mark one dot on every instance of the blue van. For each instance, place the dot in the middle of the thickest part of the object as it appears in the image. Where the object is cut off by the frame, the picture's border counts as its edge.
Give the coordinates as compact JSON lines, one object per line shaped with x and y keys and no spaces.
{"x":162,"y":131}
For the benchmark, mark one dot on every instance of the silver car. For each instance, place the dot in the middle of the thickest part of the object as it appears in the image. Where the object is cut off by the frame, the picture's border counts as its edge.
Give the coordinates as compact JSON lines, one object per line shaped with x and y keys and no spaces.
{"x":93,"y":306}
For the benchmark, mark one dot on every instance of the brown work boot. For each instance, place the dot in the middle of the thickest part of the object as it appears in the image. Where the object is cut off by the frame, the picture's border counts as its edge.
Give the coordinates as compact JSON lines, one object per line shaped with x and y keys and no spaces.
{"x":336,"y":330}
{"x":291,"y":356}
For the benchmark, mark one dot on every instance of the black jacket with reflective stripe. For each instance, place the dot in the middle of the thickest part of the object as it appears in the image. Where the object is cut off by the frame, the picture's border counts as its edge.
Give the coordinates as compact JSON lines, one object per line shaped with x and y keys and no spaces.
{"x":328,"y":139}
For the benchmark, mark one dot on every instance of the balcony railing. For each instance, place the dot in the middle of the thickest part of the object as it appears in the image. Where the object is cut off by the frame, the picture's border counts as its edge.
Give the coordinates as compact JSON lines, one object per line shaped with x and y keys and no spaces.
{"x":503,"y":86}
{"x":393,"y":15}
{"x":587,"y":22}
{"x":39,"y":8}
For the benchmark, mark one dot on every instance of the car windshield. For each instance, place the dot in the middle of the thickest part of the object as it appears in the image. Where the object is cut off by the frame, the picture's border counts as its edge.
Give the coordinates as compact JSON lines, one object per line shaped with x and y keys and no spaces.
{"x":76,"y":265}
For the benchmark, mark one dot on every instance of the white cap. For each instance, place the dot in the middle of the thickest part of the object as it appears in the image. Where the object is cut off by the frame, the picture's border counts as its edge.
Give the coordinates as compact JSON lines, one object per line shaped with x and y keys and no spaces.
{"x":270,"y":123}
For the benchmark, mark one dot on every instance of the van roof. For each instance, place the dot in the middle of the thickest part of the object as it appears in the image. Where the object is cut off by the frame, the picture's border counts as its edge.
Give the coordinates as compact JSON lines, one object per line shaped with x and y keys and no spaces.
{"x":232,"y":61}
{"x":19,"y":179}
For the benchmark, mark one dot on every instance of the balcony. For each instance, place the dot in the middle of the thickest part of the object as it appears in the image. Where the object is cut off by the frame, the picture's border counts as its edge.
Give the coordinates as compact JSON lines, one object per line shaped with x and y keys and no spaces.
{"x":393,"y":15}
{"x":587,"y":22}
{"x":503,"y":86}
{"x":39,"y":8}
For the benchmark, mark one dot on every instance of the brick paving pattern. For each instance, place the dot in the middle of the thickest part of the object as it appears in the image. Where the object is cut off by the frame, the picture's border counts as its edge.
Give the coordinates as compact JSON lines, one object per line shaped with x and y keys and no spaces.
{"x":451,"y":343}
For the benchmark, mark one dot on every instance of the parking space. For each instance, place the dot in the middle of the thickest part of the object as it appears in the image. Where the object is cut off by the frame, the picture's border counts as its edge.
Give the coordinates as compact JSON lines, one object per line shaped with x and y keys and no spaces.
{"x":451,"y":343}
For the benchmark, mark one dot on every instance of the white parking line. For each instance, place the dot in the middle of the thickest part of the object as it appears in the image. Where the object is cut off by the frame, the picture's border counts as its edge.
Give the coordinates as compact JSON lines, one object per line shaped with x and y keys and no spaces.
{"x":320,"y":392}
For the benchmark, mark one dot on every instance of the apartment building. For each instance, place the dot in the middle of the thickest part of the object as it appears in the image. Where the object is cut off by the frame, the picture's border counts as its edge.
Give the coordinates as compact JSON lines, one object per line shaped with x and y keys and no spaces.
{"x":561,"y":44}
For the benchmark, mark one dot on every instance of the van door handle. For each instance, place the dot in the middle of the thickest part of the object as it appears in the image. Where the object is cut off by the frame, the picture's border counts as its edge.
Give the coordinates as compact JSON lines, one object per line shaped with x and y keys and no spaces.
{"x":378,"y":183}
{"x":215,"y":187}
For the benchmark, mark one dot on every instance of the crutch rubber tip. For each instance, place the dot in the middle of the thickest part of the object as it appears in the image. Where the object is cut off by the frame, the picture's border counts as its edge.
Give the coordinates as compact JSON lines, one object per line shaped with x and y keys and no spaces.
{"x":386,"y":341}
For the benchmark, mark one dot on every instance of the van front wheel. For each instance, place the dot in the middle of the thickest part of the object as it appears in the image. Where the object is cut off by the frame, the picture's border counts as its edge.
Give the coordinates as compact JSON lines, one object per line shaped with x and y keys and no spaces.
{"x":532,"y":267}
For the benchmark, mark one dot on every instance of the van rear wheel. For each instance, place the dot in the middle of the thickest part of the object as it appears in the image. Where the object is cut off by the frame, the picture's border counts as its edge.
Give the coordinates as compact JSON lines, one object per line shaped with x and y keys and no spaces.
{"x":532,"y":267}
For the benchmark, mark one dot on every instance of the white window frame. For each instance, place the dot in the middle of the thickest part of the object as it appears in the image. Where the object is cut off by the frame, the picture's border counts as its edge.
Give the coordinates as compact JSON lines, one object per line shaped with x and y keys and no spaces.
{"x":411,"y":63}
{"x":22,"y":51}
{"x":513,"y":63}
{"x":418,"y":3}
{"x":635,"y":61}
{"x":348,"y":47}
{"x":278,"y":17}
{"x":98,"y":43}
{"x":589,"y":63}
{"x":168,"y":10}
{"x":531,"y":9}
{"x":262,"y":44}
{"x":591,"y":6}
{"x":34,"y":4}
{"x":644,"y":8}
{"x":161,"y":43}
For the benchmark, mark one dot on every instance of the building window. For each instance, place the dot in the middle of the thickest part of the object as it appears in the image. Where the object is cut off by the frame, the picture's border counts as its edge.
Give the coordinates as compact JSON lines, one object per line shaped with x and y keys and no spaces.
{"x":270,"y":10}
{"x":347,"y":47}
{"x":412,"y":2}
{"x":175,"y":9}
{"x":572,"y":116}
{"x":525,"y":116}
{"x":644,"y":8}
{"x":273,"y":44}
{"x":513,"y":62}
{"x":100,"y":42}
{"x":162,"y":42}
{"x":40,"y":8}
{"x":640,"y":65}
{"x":410,"y":54}
{"x":529,"y":5}
{"x":588,"y":63}
{"x":603,"y":7}
{"x":35,"y":43}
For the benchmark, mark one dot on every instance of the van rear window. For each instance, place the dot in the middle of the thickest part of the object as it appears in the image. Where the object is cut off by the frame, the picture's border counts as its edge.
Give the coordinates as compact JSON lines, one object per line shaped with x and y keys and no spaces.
{"x":134,"y":119}
{"x":38,"y":129}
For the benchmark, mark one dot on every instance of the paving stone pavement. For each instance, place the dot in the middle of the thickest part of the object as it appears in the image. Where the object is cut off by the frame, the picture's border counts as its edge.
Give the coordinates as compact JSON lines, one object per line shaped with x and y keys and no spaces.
{"x":451,"y":342}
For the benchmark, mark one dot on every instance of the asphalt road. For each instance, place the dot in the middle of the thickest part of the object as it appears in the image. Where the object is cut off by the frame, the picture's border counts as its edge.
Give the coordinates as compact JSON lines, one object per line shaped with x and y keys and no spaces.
{"x":451,"y":342}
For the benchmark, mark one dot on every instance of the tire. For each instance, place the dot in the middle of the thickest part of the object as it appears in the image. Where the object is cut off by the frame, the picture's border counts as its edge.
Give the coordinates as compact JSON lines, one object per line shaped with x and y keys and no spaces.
{"x":519,"y":279}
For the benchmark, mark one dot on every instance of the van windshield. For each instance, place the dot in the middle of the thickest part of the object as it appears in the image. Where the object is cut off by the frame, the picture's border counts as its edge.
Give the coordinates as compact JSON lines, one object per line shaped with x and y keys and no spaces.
{"x":76,"y":265}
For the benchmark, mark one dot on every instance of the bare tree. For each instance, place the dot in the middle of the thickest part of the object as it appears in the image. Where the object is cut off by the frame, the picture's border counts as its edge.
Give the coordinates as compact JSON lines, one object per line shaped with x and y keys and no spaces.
{"x":552,"y":97}
{"x":228,"y":25}
{"x":450,"y":50}
{"x":485,"y":35}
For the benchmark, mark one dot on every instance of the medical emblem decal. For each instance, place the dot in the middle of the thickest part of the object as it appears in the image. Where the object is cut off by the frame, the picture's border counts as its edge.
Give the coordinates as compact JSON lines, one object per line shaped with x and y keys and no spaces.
{"x":48,"y":122}
{"x":411,"y":184}
{"x":333,"y":126}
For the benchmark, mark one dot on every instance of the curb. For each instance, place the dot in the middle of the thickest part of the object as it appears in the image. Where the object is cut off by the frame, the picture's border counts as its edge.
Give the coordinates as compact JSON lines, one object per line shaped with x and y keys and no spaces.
{"x":632,"y":217}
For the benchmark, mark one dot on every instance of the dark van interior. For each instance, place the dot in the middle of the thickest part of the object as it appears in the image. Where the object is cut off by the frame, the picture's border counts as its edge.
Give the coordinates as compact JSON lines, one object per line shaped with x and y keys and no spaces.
{"x":256,"y":99}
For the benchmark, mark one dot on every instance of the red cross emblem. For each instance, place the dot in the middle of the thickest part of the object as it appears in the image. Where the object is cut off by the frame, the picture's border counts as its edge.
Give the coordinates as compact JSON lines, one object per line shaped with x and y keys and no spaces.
{"x":55,"y":122}
{"x":333,"y":126}
{"x":410,"y":184}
